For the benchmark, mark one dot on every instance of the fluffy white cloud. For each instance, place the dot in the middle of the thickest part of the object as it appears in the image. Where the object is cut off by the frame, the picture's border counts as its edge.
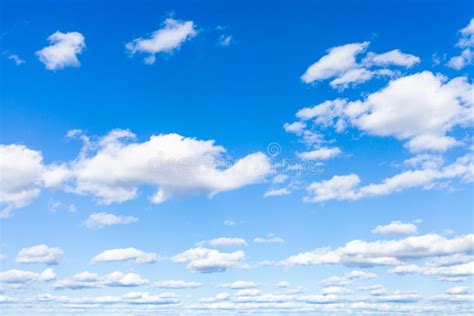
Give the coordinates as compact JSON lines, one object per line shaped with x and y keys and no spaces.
{"x":206,"y":260}
{"x":102,"y":219}
{"x":455,"y":273}
{"x":63,"y":50}
{"x":270,"y":238}
{"x":39,"y":254}
{"x":323,"y":153}
{"x":176,"y":165}
{"x":20,"y":174}
{"x":240,"y":285}
{"x":420,"y":109}
{"x":360,"y":275}
{"x":25,"y":277}
{"x":393,"y":57}
{"x":178,"y":284}
{"x":461,"y":61}
{"x":125,"y":254}
{"x":337,"y":61}
{"x":386,"y":252}
{"x":92,"y":280}
{"x":165,"y":40}
{"x":114,"y":167}
{"x":295,"y":127}
{"x":346,"y":187}
{"x":396,"y":227}
{"x":467,"y":35}
{"x":340,"y":63}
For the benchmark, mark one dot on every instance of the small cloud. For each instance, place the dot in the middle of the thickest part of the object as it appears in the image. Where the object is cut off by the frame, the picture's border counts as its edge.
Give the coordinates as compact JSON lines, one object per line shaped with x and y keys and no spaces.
{"x":16,"y":59}
{"x":225,"y":40}
{"x":271,"y":238}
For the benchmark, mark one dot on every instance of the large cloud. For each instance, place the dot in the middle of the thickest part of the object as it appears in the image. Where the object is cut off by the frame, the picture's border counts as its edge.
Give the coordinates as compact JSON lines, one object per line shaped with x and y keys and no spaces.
{"x":421,"y":109}
{"x":114,"y":167}
{"x":63,"y":50}
{"x":167,"y":39}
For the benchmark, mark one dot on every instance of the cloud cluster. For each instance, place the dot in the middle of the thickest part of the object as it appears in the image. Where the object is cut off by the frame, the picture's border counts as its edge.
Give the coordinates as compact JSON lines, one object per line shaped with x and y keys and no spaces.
{"x":165,"y":40}
{"x":63,"y":50}
{"x":346,"y":187}
{"x":466,"y":42}
{"x":114,"y":166}
{"x":206,"y":260}
{"x":340,"y":64}
{"x":20,"y":277}
{"x":87,"y":279}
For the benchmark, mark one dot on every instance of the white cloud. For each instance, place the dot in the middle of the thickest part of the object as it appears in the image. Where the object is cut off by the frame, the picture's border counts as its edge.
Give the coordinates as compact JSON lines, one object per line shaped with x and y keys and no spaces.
{"x":385,"y":252}
{"x":63,"y":50}
{"x":323,"y":153}
{"x":458,"y":290}
{"x":165,"y":40}
{"x":25,"y":277}
{"x":125,"y":254}
{"x":176,"y":165}
{"x":20,"y":173}
{"x":16,"y":59}
{"x":394,"y":57}
{"x":92,"y":280}
{"x":396,"y":227}
{"x":420,"y":109}
{"x":461,"y":61}
{"x":337,"y":61}
{"x":295,"y":127}
{"x":454,"y":273}
{"x":240,"y":285}
{"x":102,"y":219}
{"x":360,"y":275}
{"x":467,"y":35}
{"x":227,"y":242}
{"x":270,"y":238}
{"x":283,"y":284}
{"x":206,"y":260}
{"x":346,"y":187}
{"x":229,"y":222}
{"x":39,"y":254}
{"x":276,"y":192}
{"x":178,"y":284}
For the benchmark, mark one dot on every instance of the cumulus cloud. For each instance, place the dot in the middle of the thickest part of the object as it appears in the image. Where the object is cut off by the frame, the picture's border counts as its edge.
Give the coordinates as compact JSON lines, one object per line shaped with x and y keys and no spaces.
{"x":21,"y":277}
{"x":340,"y":64}
{"x":206,"y":260}
{"x":346,"y":187}
{"x":165,"y":40}
{"x":396,"y":227}
{"x":466,"y":42}
{"x":102,"y":219}
{"x":63,"y":50}
{"x":454,"y":273}
{"x":421,"y":109}
{"x":87,"y":279}
{"x":269,"y":239}
{"x":113,"y":167}
{"x":394,"y":57}
{"x":178,"y":284}
{"x":323,"y":153}
{"x":176,"y":165}
{"x":40,"y":254}
{"x":337,"y":61}
{"x":125,"y":254}
{"x":385,"y":252}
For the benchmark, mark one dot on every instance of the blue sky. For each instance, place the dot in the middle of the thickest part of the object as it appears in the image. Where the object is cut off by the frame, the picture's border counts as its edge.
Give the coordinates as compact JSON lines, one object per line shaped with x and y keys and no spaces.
{"x":265,"y":158}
